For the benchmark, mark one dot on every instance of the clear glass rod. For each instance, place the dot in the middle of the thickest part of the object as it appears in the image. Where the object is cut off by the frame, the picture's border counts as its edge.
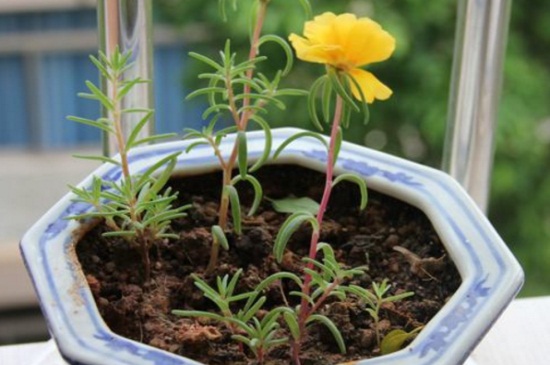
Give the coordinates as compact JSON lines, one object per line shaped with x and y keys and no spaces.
{"x":128,"y":25}
{"x":482,"y":28}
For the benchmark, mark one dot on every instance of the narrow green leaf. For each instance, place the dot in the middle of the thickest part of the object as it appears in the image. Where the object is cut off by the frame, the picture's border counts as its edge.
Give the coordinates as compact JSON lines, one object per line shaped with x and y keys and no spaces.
{"x":203,"y":286}
{"x":195,"y":144}
{"x":212,"y":76}
{"x":271,"y":318}
{"x":262,"y":97}
{"x":154,"y":138}
{"x":284,"y":45}
{"x":337,"y":145}
{"x":242,"y":156}
{"x":397,"y":297}
{"x":206,"y":60}
{"x":373,"y":313}
{"x":311,"y":101}
{"x":128,"y":85}
{"x":99,"y":65}
{"x":276,"y":277}
{"x":362,"y":293}
{"x":101,"y":97}
{"x":319,"y":291}
{"x":253,"y":108}
{"x":255,"y":85}
{"x":248,"y":64}
{"x":293,"y":204}
{"x":96,"y":124}
{"x":301,"y":295}
{"x":314,"y":274}
{"x":258,"y":191}
{"x":331,"y":327}
{"x":292,"y":324}
{"x":296,"y":136}
{"x":170,"y":162}
{"x":222,"y":285}
{"x":394,"y":340}
{"x":250,"y":312}
{"x":87,"y":96}
{"x":326,"y":100}
{"x":360,"y":182}
{"x":307,"y":8}
{"x":268,"y":140}
{"x":222,"y":10}
{"x":98,"y":158}
{"x":291,"y":92}
{"x":200,"y":314}
{"x":163,"y":216}
{"x":218,"y":108}
{"x":233,"y":195}
{"x":236,"y":298}
{"x":224,"y":132}
{"x":189,"y":133}
{"x":364,"y":104}
{"x":278,"y":341}
{"x":219,"y":237}
{"x":212,"y":96}
{"x":328,"y":251}
{"x":136,"y":110}
{"x":137,"y":129}
{"x":340,"y":89}
{"x":243,"y":339}
{"x":209,"y":129}
{"x":206,"y":90}
{"x":233,"y":282}
{"x":291,"y":225}
{"x":119,"y":234}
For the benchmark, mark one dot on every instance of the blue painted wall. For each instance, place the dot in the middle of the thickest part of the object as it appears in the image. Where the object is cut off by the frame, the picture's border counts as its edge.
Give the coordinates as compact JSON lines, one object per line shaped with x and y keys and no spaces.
{"x":13,"y":114}
{"x":61,"y":76}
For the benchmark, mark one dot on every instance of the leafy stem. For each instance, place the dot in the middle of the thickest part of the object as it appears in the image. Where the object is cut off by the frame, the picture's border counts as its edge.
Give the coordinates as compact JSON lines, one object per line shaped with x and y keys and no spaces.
{"x":137,"y":208}
{"x":241,"y":122}
{"x":305,"y":308}
{"x":254,"y":48}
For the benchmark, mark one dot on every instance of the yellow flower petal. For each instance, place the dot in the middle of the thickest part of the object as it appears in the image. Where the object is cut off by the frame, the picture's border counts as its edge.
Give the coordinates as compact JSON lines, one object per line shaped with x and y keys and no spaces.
{"x":343,"y":41}
{"x":306,"y":51}
{"x":368,"y":43}
{"x":320,"y":30}
{"x":371,"y":87}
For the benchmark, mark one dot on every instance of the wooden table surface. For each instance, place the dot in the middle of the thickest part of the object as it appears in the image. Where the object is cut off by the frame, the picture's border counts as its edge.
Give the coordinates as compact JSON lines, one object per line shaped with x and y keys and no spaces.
{"x":520,"y":337}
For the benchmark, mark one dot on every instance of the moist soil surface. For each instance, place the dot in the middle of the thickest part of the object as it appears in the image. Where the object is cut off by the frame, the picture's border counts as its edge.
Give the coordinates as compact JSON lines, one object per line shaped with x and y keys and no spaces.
{"x":142,"y":311}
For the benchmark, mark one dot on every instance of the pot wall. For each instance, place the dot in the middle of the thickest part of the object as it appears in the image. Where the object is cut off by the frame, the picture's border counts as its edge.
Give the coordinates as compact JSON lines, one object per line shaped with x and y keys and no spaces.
{"x":491,"y":275}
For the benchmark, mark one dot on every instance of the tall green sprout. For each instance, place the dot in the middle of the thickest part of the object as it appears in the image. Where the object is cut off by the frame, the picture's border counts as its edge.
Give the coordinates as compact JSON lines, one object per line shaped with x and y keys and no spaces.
{"x":138,"y":208}
{"x":237,"y":90}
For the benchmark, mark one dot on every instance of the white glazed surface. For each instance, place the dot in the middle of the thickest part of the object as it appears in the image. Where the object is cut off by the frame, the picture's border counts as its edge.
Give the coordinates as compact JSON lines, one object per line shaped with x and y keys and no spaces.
{"x":491,"y":275}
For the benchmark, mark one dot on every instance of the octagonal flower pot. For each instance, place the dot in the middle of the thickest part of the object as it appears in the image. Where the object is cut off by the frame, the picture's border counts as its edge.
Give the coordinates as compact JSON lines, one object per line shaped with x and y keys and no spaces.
{"x":491,"y":276}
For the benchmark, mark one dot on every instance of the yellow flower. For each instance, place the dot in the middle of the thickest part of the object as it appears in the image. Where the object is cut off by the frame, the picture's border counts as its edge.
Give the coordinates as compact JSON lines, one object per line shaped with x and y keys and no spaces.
{"x":347,"y":43}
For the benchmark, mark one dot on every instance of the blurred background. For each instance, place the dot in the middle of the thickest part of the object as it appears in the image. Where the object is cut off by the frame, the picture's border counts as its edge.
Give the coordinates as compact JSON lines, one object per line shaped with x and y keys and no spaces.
{"x":44,"y":48}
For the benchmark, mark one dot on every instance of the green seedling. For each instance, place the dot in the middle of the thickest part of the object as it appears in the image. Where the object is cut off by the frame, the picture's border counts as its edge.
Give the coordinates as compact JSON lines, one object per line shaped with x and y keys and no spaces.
{"x":237,"y":91}
{"x":138,"y":208}
{"x":373,"y":300}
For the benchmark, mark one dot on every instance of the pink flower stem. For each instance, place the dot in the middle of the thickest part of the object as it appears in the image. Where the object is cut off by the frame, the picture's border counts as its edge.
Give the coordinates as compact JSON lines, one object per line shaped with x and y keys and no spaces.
{"x":305,"y":307}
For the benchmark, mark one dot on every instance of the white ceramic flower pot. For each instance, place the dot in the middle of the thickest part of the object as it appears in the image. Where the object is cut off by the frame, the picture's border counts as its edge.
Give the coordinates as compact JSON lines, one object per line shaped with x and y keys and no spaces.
{"x":491,"y":276}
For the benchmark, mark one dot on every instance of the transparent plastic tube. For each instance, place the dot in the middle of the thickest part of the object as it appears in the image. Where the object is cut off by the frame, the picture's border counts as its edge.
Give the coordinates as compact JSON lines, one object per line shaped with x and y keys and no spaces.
{"x":128,"y":25}
{"x":482,"y":27}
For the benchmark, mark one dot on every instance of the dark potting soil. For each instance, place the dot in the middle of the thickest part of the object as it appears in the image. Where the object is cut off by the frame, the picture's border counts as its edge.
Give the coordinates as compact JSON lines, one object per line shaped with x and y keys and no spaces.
{"x":143,"y":312}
